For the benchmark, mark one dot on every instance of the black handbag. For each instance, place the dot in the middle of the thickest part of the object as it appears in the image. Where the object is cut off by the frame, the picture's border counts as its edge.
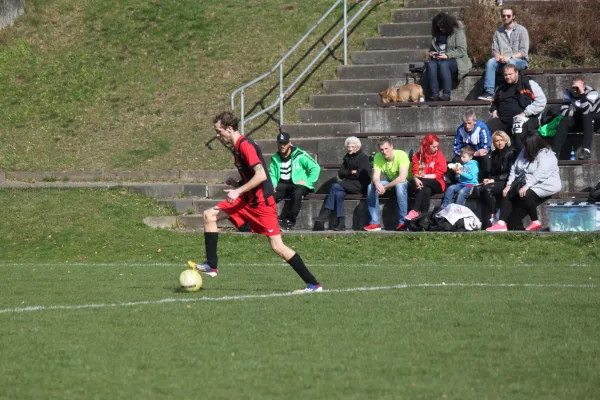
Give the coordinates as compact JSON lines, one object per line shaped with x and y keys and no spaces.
{"x":516,"y":185}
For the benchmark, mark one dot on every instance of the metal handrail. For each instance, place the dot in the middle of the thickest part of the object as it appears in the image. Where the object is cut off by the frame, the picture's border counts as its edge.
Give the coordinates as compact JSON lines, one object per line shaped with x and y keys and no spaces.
{"x":279,"y":65}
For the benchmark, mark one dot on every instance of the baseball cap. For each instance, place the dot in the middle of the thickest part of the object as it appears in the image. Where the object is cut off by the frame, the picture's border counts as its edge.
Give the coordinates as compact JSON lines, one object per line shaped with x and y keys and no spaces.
{"x":283,"y":138}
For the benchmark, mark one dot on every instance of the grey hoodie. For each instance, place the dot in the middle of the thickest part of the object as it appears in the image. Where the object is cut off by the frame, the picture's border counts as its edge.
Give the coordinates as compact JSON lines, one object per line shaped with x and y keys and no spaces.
{"x":541,"y":175}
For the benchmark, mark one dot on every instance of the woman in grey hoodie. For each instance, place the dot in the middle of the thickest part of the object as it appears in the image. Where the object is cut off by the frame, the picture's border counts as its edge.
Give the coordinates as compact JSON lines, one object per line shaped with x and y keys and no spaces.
{"x":533,"y":179}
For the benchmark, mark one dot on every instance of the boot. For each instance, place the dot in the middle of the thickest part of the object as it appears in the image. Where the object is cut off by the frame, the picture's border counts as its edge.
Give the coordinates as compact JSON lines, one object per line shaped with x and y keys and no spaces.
{"x":341,"y":224}
{"x":321,"y":219}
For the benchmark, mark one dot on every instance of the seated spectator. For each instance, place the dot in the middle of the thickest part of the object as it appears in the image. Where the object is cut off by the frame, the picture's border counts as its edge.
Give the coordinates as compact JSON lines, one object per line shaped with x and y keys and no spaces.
{"x":428,"y":168}
{"x":533,"y":179}
{"x":510,"y":46}
{"x":467,"y":173}
{"x":293,"y":173}
{"x":475,"y":134}
{"x":447,"y":54}
{"x":354,"y":176}
{"x":517,"y":105}
{"x":581,"y":113}
{"x":390,"y":171}
{"x":502,"y":158}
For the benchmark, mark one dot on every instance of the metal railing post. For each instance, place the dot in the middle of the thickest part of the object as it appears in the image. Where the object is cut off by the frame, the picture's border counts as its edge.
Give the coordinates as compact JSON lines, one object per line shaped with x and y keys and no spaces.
{"x":345,"y":32}
{"x":242,"y":111}
{"x":281,"y":94}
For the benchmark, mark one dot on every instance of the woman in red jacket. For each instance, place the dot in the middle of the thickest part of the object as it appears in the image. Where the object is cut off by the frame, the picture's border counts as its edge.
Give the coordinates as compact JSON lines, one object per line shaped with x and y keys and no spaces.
{"x":428,"y":166}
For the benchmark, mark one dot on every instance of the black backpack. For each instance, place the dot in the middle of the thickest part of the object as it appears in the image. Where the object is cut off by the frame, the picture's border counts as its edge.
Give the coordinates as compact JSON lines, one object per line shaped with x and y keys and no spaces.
{"x":419,"y":224}
{"x":595,"y":194}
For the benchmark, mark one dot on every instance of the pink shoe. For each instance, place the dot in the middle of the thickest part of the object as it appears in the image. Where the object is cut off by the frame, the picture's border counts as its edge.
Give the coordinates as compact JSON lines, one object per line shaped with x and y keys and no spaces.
{"x":534,"y":226}
{"x":499,"y":226}
{"x":412,"y":214}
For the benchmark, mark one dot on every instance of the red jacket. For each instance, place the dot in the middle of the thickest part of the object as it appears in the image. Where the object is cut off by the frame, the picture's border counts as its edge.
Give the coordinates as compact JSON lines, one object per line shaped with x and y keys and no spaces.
{"x":438,"y":167}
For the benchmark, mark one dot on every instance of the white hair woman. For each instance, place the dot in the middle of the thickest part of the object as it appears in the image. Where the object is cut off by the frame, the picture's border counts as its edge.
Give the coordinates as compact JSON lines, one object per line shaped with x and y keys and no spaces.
{"x":354,"y":177}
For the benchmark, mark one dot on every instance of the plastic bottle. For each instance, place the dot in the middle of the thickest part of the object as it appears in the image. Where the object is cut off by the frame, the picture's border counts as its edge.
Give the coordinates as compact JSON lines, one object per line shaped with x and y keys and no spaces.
{"x":572,"y":154}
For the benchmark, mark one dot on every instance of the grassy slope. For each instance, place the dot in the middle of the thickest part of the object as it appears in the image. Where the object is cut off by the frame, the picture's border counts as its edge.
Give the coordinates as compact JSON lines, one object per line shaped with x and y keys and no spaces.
{"x":131,"y":84}
{"x":444,"y":342}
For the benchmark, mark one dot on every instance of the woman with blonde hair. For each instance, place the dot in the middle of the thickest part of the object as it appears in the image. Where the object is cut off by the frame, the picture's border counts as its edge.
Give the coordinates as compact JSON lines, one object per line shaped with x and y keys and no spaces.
{"x":354,"y":177}
{"x":502,"y":157}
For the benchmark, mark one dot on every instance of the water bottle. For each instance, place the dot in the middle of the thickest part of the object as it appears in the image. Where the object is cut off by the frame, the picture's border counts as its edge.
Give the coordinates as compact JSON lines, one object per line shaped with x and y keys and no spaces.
{"x":572,"y":154}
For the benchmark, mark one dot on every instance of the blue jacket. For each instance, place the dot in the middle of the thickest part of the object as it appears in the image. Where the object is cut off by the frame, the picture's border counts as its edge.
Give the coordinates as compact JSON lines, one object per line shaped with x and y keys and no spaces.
{"x":478,"y":138}
{"x":469,"y":173}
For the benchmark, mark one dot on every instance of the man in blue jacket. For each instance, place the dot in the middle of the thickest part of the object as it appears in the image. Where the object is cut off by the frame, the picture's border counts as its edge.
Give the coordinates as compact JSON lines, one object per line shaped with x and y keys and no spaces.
{"x":293,"y":173}
{"x":476,"y":134}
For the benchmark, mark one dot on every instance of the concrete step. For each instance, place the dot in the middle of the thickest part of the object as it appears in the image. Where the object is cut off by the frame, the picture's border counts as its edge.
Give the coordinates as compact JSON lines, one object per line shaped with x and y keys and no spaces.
{"x":405,"y":29}
{"x":320,"y":129}
{"x":356,"y":212}
{"x":435,"y":3}
{"x":345,"y":100}
{"x":347,"y":86}
{"x":330,"y":115}
{"x":373,"y":71}
{"x":398,"y":43}
{"x":387,"y":56}
{"x":403,"y":15}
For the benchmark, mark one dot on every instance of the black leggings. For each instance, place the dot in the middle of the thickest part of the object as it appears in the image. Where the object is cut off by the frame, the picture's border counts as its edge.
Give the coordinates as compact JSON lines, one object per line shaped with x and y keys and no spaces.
{"x":423,"y":196}
{"x":490,"y":195}
{"x":530,"y":203}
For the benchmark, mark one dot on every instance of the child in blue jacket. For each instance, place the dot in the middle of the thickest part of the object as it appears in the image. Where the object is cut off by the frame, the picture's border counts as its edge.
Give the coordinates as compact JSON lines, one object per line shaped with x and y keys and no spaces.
{"x":467,"y":174}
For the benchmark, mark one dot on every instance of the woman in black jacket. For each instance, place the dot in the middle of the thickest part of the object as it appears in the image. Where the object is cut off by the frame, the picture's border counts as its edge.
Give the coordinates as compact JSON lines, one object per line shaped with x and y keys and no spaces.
{"x":502,"y":158}
{"x":354,"y":177}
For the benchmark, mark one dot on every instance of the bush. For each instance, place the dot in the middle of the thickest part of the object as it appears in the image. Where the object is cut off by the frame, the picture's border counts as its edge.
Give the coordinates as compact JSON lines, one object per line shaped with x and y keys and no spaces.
{"x":561,"y":32}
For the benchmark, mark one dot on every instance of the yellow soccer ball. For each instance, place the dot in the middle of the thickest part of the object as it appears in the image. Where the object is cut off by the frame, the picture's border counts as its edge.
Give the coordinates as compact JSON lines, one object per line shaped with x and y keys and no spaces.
{"x":190,"y":280}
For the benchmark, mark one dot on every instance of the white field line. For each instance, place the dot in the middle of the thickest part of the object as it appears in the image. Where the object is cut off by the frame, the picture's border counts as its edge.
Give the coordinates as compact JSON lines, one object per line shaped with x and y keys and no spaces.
{"x":184,"y":265}
{"x":287,"y":294}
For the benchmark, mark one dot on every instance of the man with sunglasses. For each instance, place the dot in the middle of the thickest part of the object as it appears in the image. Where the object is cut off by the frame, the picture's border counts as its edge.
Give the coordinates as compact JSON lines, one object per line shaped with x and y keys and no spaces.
{"x":510,"y":46}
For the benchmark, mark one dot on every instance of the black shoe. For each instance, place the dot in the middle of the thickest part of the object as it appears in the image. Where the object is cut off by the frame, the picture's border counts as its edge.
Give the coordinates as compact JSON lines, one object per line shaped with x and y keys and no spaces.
{"x":289,"y":225}
{"x":319,"y":226}
{"x":434,"y":98}
{"x":285,"y":224}
{"x":445,"y":98}
{"x":341,"y":225}
{"x":584,"y":154}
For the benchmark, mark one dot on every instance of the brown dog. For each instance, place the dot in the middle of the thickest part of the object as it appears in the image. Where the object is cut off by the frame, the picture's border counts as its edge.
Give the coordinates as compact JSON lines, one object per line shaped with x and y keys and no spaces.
{"x":411,"y":92}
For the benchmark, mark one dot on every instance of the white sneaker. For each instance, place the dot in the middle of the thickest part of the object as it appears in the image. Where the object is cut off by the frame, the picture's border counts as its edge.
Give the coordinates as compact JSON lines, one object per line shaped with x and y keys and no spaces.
{"x":204,"y":268}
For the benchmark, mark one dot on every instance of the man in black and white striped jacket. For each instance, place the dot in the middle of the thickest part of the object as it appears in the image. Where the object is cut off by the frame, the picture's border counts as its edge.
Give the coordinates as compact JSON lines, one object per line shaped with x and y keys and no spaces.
{"x":581,"y":112}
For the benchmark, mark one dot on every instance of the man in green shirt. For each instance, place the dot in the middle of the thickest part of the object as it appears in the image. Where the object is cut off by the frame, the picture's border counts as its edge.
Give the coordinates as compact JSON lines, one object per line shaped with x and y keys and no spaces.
{"x":391,"y":170}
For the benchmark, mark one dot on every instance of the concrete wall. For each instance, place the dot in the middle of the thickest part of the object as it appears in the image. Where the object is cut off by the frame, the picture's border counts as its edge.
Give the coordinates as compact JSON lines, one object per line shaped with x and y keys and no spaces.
{"x":9,"y":11}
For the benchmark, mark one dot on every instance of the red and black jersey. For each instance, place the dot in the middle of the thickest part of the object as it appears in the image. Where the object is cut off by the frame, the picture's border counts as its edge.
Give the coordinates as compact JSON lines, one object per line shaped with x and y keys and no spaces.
{"x":248,"y":155}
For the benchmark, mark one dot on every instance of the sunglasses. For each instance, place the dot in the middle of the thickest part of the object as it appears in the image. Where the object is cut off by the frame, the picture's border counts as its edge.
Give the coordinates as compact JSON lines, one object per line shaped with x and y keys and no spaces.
{"x":506,"y":16}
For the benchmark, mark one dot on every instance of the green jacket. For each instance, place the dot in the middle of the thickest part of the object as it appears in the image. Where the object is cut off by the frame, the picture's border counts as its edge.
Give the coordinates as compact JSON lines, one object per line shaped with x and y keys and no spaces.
{"x":456,"y":47}
{"x":304,"y":168}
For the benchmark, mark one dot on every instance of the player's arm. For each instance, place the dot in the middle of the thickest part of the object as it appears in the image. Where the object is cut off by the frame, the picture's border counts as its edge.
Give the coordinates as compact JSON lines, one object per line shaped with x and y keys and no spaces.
{"x":259,"y":177}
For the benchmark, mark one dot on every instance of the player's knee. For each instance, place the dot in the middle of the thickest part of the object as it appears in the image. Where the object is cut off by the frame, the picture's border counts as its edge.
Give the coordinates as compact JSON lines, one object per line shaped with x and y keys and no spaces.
{"x":210,"y":215}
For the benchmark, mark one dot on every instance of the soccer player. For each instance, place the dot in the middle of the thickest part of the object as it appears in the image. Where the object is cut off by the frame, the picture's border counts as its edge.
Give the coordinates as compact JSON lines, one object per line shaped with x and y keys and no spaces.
{"x":251,"y":201}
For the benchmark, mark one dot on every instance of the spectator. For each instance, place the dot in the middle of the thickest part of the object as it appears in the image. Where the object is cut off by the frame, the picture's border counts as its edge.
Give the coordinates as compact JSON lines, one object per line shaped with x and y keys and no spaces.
{"x":510,"y":46}
{"x":517,"y":105}
{"x":354,"y":177}
{"x":467,"y":173}
{"x":581,"y":112}
{"x":533,"y":179}
{"x":293,"y":173}
{"x":476,"y":134}
{"x":390,"y":170}
{"x":448,"y":55}
{"x":428,"y":168}
{"x":502,"y":158}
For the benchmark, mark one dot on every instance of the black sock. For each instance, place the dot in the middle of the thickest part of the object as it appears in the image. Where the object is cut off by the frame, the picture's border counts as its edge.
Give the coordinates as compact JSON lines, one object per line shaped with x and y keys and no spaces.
{"x":300,"y":268}
{"x":210,"y":244}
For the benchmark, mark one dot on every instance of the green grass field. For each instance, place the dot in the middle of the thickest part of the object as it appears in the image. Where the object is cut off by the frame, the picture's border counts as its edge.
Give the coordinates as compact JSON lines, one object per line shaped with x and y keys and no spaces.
{"x":89,"y":308}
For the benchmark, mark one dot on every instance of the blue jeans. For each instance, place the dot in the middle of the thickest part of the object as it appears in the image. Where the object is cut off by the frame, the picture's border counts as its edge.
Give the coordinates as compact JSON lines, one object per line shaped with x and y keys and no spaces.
{"x":373,"y":202}
{"x":335,"y":200}
{"x":463,"y":191}
{"x":441,"y":71}
{"x":489,"y":83}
